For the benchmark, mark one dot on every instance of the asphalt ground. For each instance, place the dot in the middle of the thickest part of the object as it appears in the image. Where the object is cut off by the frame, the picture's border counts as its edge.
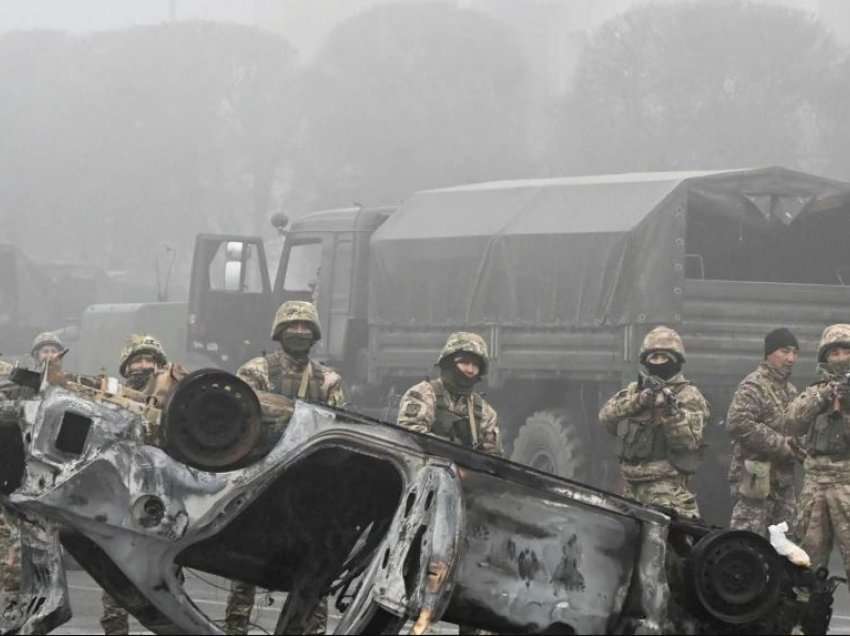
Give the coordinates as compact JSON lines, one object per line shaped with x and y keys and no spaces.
{"x":210,"y":594}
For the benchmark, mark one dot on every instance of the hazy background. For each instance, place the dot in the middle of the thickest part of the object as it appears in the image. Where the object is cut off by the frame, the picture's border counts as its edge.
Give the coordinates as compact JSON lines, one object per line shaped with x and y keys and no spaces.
{"x":129,"y":124}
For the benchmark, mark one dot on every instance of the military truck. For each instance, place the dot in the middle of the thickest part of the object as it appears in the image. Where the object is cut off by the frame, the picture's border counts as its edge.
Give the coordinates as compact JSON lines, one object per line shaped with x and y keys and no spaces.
{"x":563,"y":278}
{"x":38,"y":296}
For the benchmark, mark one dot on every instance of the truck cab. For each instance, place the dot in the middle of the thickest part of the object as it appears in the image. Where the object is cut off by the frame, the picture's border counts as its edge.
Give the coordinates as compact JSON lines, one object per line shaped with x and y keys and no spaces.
{"x":324,"y":259}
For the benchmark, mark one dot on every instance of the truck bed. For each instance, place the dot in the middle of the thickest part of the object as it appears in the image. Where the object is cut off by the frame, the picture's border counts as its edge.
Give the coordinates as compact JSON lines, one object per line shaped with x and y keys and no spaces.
{"x":723,"y":325}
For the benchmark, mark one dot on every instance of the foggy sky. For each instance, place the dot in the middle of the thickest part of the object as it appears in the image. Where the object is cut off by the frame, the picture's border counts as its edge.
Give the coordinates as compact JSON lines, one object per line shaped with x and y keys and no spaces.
{"x":304,"y":22}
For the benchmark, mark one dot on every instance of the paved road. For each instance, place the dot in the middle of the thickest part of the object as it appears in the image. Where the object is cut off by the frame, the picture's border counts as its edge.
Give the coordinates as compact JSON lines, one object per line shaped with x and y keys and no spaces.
{"x":210,"y":594}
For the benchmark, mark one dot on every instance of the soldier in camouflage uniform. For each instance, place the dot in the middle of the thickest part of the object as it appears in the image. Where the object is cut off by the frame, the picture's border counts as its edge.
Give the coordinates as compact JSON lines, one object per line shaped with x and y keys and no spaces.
{"x":141,"y":357}
{"x":821,"y":413}
{"x":289,"y":372}
{"x":44,"y":346}
{"x":10,"y":539}
{"x":764,"y":454}
{"x":448,"y":407}
{"x":658,"y":422}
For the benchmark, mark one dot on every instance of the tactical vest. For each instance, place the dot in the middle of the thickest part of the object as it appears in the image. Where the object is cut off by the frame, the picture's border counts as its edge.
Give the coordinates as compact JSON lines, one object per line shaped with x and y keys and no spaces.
{"x":455,"y":423}
{"x":641,"y":442}
{"x":829,"y":436}
{"x":304,"y":384}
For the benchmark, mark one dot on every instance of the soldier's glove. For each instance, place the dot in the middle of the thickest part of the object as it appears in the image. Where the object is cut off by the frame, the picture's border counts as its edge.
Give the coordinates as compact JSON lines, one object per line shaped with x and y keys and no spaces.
{"x":646,"y":398}
{"x":841,"y":391}
{"x":793,"y":449}
{"x":826,"y":398}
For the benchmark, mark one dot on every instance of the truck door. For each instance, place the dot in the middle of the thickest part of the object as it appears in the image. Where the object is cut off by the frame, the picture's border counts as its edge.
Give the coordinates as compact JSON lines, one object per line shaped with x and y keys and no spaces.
{"x":230,"y":300}
{"x":318,"y":268}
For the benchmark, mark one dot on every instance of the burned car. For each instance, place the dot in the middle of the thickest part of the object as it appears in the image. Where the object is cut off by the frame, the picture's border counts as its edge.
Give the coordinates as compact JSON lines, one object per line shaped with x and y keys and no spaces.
{"x":391,"y":524}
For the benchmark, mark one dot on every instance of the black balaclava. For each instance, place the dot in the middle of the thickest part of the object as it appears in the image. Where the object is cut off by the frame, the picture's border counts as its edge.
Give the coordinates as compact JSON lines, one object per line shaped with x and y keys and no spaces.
{"x":837,"y":368}
{"x":666,"y":370}
{"x":297,"y":344}
{"x":138,"y":379}
{"x":455,"y":380}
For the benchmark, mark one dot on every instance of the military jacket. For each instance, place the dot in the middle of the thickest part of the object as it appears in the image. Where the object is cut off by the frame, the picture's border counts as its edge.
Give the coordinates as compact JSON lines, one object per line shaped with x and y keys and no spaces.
{"x":656,"y":443}
{"x":429,"y":407}
{"x":757,"y":423}
{"x":304,"y":379}
{"x":826,"y":435}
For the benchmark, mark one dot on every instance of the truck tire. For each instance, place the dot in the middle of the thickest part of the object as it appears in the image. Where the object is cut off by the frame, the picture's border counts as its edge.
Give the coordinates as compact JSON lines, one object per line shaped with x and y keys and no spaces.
{"x":553,"y":442}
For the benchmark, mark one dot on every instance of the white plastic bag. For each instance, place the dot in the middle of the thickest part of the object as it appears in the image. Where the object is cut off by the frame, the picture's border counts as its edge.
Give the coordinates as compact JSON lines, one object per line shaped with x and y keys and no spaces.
{"x":787,"y":548}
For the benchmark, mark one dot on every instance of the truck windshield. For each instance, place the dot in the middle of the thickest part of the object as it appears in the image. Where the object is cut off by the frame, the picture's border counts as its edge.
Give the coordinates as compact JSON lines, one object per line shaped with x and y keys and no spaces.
{"x":303,"y":265}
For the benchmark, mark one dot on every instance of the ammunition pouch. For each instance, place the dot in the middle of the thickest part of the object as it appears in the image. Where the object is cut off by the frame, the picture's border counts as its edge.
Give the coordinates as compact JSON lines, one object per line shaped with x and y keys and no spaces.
{"x":640,"y":442}
{"x":755,"y":479}
{"x":686,"y":461}
{"x":452,"y":425}
{"x":828,"y":436}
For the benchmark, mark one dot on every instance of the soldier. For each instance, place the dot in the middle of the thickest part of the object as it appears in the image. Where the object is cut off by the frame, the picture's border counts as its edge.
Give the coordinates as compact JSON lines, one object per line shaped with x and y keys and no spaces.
{"x":289,"y":372}
{"x":141,"y":357}
{"x":764,"y":454}
{"x":46,"y":346}
{"x":659,"y":422}
{"x":448,"y":407}
{"x":10,"y":539}
{"x":821,"y":413}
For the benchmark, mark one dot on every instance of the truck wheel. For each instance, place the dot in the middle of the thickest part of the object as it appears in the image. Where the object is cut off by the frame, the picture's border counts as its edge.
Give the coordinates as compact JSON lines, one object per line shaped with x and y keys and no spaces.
{"x":553,"y":442}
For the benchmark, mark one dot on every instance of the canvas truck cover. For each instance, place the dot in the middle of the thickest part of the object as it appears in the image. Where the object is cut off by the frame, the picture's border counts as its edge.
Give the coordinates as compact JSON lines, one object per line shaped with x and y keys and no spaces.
{"x":571,"y":252}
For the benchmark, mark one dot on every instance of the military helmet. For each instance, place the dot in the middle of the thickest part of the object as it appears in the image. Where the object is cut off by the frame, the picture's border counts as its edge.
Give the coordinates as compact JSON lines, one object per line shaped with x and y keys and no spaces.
{"x":139,"y":344}
{"x":44,"y":339}
{"x":833,"y":336}
{"x":663,"y":339}
{"x":466,"y":342}
{"x":294,"y":311}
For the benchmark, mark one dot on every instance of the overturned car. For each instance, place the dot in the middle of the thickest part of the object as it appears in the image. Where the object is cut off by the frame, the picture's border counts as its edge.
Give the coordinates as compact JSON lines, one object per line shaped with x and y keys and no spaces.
{"x":391,"y":524}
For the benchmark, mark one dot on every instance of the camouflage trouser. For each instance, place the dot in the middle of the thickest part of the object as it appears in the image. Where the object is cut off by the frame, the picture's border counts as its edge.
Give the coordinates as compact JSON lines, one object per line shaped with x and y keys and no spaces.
{"x":240,"y":604}
{"x":10,"y":553}
{"x":115,"y":619}
{"x":671,"y":492}
{"x":756,"y":515}
{"x":824,"y":518}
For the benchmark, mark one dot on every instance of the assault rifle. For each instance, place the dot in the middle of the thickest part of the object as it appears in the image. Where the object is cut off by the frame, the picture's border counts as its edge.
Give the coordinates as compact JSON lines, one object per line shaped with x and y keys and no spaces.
{"x":658,"y":387}
{"x":840,"y":384}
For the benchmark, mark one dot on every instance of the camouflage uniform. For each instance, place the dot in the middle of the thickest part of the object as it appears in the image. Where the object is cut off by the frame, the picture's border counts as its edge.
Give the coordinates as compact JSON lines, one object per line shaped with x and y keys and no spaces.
{"x":115,"y":619}
{"x":460,"y":416}
{"x":659,"y":446}
{"x":463,"y":418}
{"x":763,"y":459}
{"x":10,"y":536}
{"x":825,"y":499}
{"x":10,"y":552}
{"x":7,"y":392}
{"x":294,"y":377}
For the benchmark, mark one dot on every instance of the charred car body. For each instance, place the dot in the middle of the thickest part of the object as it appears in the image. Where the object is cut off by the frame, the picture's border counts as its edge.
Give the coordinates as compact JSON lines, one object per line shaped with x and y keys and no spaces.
{"x":392,"y":524}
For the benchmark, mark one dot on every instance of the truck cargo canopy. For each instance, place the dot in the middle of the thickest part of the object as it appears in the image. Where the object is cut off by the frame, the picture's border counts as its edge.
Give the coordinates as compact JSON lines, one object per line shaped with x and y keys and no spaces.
{"x":576,"y":252}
